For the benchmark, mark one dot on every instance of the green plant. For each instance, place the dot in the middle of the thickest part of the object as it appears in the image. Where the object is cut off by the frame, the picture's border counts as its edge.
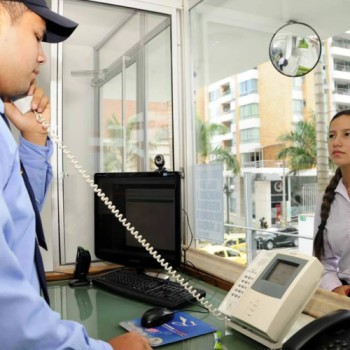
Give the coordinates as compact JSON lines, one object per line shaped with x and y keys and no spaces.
{"x":303,"y":44}
{"x":302,"y":70}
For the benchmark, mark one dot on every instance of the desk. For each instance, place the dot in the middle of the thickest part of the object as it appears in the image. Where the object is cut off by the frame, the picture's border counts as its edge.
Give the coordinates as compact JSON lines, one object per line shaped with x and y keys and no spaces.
{"x":101,"y":311}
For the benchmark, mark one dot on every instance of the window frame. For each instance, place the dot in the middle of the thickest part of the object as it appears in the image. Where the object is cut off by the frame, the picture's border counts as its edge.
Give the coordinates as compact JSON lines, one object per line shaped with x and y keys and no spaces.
{"x":56,"y":258}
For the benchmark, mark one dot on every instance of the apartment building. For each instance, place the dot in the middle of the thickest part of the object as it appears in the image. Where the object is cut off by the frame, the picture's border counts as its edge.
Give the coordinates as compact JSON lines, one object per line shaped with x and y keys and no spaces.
{"x":248,"y":105}
{"x":338,"y":72}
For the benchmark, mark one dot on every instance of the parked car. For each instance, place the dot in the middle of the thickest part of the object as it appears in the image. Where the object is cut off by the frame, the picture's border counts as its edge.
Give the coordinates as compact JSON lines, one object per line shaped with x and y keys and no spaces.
{"x":227,"y":253}
{"x":238,"y":243}
{"x":273,"y":238}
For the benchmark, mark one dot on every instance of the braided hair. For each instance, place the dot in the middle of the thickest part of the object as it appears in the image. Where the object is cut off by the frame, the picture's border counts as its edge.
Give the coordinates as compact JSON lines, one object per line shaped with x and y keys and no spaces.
{"x":327,"y":199}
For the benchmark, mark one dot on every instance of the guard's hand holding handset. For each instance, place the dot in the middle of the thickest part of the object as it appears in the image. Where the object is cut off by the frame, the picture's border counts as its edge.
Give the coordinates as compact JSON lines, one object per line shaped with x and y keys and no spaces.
{"x":19,"y":111}
{"x":23,"y":103}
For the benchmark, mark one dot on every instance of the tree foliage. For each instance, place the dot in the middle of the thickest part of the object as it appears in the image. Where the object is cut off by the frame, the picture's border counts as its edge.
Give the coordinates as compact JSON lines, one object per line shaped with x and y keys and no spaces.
{"x":114,"y":150}
{"x":300,"y":146}
{"x":205,"y":132}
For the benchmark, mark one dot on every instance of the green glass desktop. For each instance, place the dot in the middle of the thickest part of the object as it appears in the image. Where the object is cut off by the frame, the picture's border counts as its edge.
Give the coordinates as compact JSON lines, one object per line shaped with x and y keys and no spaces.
{"x":101,"y":311}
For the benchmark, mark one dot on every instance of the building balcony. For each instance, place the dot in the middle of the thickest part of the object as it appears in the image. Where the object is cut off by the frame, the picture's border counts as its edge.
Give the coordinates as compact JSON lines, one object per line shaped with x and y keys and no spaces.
{"x":249,"y":123}
{"x":223,"y":118}
{"x":341,"y":97}
{"x":263,"y":164}
{"x":248,"y":99}
{"x":247,"y":147}
{"x":340,"y":52}
{"x":222,"y":97}
{"x":341,"y":74}
{"x":223,"y":137}
{"x":344,"y":35}
{"x":250,"y":74}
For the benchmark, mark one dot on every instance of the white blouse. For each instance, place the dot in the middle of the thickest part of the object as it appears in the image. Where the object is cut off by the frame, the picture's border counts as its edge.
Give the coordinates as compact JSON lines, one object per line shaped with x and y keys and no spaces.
{"x":336,"y":259}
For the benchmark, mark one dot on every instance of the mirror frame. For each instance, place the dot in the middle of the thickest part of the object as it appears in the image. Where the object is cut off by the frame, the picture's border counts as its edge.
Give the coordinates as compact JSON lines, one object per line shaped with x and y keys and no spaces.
{"x":299,"y":72}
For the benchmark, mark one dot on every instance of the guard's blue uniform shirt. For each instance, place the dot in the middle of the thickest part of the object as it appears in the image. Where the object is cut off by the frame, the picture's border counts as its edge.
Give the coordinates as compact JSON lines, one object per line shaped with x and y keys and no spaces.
{"x":26,"y":321}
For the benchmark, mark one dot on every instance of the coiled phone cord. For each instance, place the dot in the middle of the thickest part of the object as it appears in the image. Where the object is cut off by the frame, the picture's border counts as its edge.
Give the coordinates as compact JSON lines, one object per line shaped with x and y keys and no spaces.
{"x":169,"y":269}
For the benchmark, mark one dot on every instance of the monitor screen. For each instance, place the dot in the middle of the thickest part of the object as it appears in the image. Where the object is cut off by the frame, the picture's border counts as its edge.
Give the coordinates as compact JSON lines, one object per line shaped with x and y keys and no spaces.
{"x":151,"y":202}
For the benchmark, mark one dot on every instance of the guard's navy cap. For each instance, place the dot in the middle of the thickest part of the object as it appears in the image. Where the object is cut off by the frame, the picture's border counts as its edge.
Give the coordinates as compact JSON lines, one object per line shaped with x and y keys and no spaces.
{"x":58,"y":28}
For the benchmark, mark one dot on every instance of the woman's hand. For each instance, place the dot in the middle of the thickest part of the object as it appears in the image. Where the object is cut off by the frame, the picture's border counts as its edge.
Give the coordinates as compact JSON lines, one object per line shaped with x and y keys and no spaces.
{"x":342,"y":290}
{"x":27,"y":124}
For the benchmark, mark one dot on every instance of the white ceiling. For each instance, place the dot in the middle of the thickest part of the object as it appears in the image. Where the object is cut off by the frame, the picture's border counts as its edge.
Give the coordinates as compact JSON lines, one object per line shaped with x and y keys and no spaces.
{"x":328,"y":17}
{"x":235,"y":34}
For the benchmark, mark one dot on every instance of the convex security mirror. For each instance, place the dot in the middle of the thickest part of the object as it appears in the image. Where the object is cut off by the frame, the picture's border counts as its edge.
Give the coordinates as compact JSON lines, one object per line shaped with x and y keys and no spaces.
{"x":295,"y":49}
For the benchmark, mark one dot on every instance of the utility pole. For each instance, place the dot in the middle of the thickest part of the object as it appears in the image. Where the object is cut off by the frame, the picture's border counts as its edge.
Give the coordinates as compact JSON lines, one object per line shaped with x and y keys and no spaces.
{"x":321,"y":129}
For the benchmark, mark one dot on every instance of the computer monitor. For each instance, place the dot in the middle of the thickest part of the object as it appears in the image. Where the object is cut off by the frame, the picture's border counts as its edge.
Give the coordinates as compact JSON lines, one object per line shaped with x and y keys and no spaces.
{"x":151,"y":202}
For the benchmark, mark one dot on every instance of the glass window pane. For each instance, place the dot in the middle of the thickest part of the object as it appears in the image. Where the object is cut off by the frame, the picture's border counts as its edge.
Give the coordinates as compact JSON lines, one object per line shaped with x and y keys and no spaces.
{"x":115,"y":116}
{"x":271,"y":135}
{"x":111,"y":111}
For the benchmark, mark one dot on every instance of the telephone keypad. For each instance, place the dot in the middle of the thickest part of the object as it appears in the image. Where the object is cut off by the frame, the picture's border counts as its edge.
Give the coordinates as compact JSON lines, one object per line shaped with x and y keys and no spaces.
{"x":244,"y":283}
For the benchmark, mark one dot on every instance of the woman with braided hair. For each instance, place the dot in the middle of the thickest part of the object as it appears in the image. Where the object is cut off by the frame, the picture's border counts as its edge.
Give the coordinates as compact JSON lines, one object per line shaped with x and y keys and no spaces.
{"x":332,"y":220}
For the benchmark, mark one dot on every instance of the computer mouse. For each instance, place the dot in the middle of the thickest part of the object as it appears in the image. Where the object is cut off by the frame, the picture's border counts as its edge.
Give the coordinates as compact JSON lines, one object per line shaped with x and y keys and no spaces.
{"x":156,"y":316}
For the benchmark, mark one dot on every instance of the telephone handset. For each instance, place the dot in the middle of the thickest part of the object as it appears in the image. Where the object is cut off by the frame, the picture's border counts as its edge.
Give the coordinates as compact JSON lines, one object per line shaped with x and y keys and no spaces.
{"x":331,"y":331}
{"x":23,"y":103}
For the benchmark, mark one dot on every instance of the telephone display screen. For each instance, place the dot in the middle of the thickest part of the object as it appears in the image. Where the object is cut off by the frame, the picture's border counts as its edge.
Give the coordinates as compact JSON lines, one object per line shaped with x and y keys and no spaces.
{"x":281,"y":272}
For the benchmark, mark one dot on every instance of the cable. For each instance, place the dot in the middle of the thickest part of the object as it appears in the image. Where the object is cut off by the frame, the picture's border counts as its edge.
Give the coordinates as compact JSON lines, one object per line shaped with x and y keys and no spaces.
{"x":189,"y":227}
{"x":191,"y":240}
{"x":169,"y":269}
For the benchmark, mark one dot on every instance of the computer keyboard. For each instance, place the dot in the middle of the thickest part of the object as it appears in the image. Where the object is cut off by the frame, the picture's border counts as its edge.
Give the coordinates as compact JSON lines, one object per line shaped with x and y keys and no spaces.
{"x":149,"y":289}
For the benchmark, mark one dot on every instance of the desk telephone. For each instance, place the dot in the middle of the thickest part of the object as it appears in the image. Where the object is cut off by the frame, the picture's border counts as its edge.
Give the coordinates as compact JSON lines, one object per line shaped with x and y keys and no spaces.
{"x":270,"y":294}
{"x":267,"y":297}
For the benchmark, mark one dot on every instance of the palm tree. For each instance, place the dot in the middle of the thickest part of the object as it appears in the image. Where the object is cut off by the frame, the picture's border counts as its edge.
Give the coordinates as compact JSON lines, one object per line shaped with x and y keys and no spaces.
{"x":114,"y":151}
{"x":300,"y":150}
{"x":205,"y":132}
{"x":228,"y":158}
